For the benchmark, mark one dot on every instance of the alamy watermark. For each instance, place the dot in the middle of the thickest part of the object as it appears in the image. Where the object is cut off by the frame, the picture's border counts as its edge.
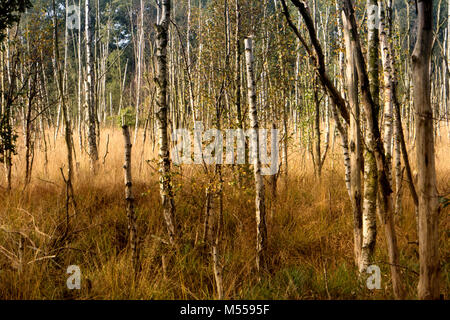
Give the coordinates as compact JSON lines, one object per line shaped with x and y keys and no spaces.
{"x":213,"y":152}
{"x":74,"y":280}
{"x":373,"y":17}
{"x":374,"y":280}
{"x":73,"y":17}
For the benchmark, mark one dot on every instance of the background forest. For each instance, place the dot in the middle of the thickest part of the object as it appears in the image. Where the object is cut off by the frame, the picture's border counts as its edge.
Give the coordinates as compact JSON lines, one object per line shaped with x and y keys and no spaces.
{"x":91,"y":91}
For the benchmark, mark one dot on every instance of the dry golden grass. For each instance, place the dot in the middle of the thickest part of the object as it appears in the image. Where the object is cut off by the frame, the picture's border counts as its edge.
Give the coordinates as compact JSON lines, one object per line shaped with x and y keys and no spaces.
{"x":310,"y":235}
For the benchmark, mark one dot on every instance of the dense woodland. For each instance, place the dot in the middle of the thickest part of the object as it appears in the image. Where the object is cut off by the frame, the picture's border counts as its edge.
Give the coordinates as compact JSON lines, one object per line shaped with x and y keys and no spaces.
{"x":92,"y":92}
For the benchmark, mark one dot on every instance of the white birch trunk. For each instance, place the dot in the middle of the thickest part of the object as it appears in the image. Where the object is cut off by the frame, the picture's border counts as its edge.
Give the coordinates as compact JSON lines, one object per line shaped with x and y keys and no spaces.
{"x":162,"y":116}
{"x":129,"y":198}
{"x":261,"y":228}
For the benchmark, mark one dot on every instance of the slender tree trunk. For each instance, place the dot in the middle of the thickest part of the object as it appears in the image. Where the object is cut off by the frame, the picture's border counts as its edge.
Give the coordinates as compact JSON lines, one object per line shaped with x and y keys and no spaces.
{"x":29,"y":143}
{"x":370,"y":166}
{"x":168,"y":204}
{"x":89,"y":93}
{"x":398,"y":170}
{"x":386,"y":55}
{"x":132,"y":227}
{"x":238,"y":66}
{"x":80,"y":81}
{"x":68,"y":128}
{"x":447,"y":71}
{"x":344,"y":131}
{"x":425,"y":156}
{"x":351,"y":78}
{"x":140,"y":57}
{"x":320,"y":159}
{"x":261,"y":228}
{"x":7,"y":113}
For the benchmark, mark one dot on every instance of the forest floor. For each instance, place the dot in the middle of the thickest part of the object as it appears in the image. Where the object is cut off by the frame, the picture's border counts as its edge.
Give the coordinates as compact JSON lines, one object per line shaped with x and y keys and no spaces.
{"x":310,"y":234}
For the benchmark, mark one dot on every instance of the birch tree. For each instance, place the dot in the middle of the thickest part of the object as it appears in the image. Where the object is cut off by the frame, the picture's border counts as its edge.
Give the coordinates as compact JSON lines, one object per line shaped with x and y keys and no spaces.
{"x":261,"y":228}
{"x":168,"y":204}
{"x":428,"y":287}
{"x":129,"y":198}
{"x":67,"y":124}
{"x":89,"y":93}
{"x":377,"y":147}
{"x":140,"y":57}
{"x":370,"y":166}
{"x":351,"y":79}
